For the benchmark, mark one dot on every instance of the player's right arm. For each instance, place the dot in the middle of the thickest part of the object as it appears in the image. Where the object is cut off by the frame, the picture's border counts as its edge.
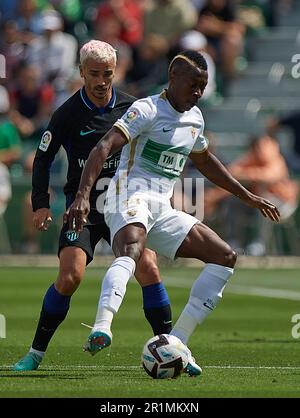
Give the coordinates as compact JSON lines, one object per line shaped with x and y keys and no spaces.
{"x":137,"y":118}
{"x":111,"y":143}
{"x":45,"y":154}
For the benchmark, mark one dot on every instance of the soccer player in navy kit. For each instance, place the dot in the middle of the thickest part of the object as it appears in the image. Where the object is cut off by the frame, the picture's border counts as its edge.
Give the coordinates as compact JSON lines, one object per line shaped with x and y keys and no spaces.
{"x":77,"y":126}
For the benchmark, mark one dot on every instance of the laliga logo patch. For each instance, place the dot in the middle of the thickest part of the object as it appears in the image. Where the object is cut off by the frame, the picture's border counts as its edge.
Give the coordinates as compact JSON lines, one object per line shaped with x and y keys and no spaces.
{"x":72,"y":235}
{"x":45,"y":141}
{"x":130,"y":116}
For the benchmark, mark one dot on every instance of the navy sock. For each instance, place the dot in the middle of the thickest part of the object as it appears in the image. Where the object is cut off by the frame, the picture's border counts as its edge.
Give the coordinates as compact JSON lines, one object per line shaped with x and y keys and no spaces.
{"x":157,"y":308}
{"x":54,"y":310}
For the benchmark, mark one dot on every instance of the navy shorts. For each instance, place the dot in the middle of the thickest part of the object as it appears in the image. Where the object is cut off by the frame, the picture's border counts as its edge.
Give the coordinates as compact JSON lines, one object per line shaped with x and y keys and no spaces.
{"x":87,"y":239}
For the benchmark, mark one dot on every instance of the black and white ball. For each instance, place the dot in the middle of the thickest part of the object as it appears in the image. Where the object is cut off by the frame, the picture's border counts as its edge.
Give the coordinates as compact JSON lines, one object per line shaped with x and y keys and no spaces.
{"x":164,"y":356}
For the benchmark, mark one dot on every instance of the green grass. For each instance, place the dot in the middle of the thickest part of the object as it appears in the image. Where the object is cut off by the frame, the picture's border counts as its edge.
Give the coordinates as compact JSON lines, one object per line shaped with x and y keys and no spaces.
{"x":245,"y":347}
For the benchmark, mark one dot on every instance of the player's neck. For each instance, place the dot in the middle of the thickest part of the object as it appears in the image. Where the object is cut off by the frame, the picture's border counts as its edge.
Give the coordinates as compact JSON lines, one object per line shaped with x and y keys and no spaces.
{"x":172,"y":101}
{"x":103,"y":102}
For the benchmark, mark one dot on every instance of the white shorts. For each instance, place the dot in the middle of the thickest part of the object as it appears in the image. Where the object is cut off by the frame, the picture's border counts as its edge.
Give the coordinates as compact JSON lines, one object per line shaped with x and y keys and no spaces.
{"x":166,"y":227}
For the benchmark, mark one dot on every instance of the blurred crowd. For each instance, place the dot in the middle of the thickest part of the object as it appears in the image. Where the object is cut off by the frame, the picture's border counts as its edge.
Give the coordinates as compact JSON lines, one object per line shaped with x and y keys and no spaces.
{"x":40,"y":40}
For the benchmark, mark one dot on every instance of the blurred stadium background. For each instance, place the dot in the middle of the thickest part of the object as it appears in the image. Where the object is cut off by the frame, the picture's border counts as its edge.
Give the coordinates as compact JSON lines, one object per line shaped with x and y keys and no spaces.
{"x":252,"y":48}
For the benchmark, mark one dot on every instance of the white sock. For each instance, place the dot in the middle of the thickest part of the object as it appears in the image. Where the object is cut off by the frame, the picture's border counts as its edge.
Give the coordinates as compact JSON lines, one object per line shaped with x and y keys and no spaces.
{"x":113,"y":291}
{"x":39,"y":353}
{"x":103,"y":320}
{"x":205,"y":294}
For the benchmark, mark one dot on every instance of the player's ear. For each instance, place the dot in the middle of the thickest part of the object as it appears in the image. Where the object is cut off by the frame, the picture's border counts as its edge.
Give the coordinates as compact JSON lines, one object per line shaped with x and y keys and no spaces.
{"x":171,"y":74}
{"x":81,"y":70}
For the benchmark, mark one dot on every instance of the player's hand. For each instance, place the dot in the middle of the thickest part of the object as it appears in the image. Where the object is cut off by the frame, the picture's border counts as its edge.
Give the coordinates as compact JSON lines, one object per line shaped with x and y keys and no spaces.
{"x":76,"y":214}
{"x":267,"y":208}
{"x":42,"y":219}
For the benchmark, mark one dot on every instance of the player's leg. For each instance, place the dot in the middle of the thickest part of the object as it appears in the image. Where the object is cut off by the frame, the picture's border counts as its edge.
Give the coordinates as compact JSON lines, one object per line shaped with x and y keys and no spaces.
{"x":128,"y":246}
{"x":74,"y":253}
{"x":156,"y":301}
{"x":204,"y":244}
{"x":193,"y":240}
{"x":55,"y":305}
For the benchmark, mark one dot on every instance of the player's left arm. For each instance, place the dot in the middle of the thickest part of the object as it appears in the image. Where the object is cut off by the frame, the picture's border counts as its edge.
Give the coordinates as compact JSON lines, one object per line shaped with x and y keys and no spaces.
{"x":212,"y":168}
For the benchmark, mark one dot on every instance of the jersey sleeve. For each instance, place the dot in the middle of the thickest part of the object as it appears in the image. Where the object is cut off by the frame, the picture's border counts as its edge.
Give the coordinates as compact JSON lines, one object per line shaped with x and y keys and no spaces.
{"x":50,"y":143}
{"x":136,"y":120}
{"x":201,"y":143}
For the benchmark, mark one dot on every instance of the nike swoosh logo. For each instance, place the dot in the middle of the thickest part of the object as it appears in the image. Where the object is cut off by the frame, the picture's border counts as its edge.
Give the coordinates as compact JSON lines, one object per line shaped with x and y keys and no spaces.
{"x":167,"y":130}
{"x":83,"y":133}
{"x":207,"y":306}
{"x":118,"y":294}
{"x":167,"y":322}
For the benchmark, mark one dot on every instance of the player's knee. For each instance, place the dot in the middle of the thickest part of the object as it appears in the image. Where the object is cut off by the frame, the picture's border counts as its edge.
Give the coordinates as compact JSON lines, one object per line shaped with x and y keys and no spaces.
{"x":69,"y":280}
{"x":133,"y":250}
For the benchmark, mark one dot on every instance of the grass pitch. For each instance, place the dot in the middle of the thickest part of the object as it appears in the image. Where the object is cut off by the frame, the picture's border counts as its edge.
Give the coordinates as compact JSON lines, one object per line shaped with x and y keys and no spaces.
{"x":245,"y":347}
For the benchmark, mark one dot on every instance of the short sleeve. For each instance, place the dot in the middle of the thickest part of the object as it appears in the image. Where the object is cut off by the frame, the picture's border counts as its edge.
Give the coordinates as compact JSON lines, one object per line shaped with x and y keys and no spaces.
{"x":201,"y":144}
{"x":136,"y":120}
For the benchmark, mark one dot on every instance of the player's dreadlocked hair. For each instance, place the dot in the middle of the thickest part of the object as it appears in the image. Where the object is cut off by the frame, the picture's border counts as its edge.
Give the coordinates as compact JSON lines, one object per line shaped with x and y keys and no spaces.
{"x":194,"y":58}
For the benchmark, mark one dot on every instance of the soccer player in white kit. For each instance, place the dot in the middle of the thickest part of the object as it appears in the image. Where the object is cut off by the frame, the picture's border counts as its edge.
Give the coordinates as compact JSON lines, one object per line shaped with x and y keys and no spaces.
{"x":158,"y":134}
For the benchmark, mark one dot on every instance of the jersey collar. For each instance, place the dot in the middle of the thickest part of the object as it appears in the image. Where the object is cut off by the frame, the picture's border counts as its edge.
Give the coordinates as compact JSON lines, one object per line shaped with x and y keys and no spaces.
{"x":88,"y":103}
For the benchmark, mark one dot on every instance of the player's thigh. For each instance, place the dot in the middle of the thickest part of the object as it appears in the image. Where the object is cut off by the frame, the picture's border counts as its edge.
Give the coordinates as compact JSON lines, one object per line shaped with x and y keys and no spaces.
{"x":147,"y":271}
{"x":128,"y":223}
{"x":204,"y":244}
{"x":169,"y":231}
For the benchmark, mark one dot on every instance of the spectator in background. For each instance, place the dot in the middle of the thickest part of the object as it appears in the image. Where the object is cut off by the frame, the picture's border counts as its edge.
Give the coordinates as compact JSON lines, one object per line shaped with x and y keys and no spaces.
{"x":5,"y":189}
{"x":109,"y":30}
{"x":12,"y":48}
{"x":9,"y":153}
{"x":169,"y":19}
{"x":197,"y":41}
{"x":31,"y":106}
{"x":73,"y":84}
{"x":150,"y":66}
{"x":71,"y":11}
{"x":8,"y":9}
{"x":224,"y":33}
{"x":264,"y":171}
{"x":292,"y":122}
{"x":29,"y":20}
{"x":54,"y":52}
{"x":10,"y":142}
{"x":5,"y":196}
{"x":129,"y":15}
{"x":270,"y":9}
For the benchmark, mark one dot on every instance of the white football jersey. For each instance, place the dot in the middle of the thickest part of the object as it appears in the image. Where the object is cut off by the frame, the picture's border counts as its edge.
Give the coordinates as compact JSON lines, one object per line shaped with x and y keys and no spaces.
{"x":160,"y":140}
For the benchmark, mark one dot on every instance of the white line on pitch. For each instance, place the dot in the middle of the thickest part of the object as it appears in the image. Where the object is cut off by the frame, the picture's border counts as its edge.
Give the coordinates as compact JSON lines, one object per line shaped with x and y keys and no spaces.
{"x":265,"y":292}
{"x":246,"y":290}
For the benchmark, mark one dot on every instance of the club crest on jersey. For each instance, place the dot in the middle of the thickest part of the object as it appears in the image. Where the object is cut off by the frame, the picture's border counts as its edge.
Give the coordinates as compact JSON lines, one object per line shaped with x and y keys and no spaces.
{"x":130,"y":116}
{"x":194,"y":131}
{"x":131,"y":212}
{"x":45,"y":141}
{"x":72,"y":235}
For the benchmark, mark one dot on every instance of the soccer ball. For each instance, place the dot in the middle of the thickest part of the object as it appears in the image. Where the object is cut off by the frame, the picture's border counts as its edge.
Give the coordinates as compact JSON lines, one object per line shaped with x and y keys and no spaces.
{"x":164,"y":356}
